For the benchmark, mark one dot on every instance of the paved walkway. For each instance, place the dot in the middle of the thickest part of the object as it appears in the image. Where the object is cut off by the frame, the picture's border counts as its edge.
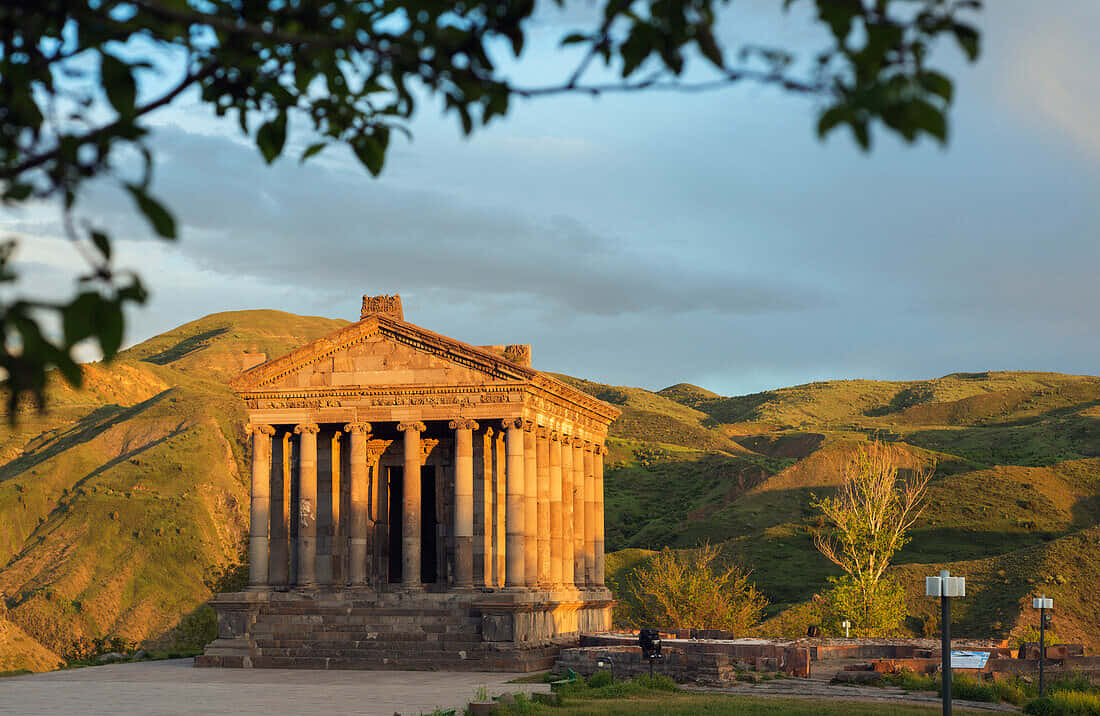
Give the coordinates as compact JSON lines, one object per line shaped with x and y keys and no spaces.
{"x":175,"y":687}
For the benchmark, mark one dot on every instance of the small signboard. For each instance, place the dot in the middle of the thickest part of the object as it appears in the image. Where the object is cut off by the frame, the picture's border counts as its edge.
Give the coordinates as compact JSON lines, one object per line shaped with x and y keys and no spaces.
{"x":969,"y":659}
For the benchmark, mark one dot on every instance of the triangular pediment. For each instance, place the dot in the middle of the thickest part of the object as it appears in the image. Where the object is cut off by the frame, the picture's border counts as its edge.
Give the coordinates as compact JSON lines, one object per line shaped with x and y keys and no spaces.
{"x":379,"y":351}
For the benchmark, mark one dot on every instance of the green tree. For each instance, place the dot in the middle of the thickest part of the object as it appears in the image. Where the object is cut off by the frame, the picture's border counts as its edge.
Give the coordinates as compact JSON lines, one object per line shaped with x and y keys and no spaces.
{"x":79,"y":78}
{"x":692,"y":590}
{"x":869,"y":519}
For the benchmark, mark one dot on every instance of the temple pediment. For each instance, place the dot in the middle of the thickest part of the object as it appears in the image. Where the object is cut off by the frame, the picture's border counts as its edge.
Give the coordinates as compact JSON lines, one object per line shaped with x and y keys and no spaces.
{"x":380,"y":351}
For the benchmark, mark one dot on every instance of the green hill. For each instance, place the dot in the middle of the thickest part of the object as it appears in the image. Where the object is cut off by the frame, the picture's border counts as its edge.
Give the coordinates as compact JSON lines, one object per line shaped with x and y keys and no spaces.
{"x":125,"y":506}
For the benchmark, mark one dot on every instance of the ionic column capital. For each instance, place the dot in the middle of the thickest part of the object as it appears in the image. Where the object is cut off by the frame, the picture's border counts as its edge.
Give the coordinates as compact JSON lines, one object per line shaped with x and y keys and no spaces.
{"x":463,"y":424}
{"x":542,"y":432}
{"x":555,"y":436}
{"x":263,"y":430}
{"x":529,"y":426}
{"x":589,"y":446}
{"x":511,"y":423}
{"x":417,"y":426}
{"x":307,"y":428}
{"x":576,"y":443}
{"x":599,"y":449}
{"x":364,"y":428}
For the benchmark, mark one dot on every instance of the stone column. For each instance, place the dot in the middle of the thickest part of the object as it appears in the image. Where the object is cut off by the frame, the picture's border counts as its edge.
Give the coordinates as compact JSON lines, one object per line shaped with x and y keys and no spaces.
{"x":374,"y":515}
{"x":500,"y":539}
{"x":597,"y":459}
{"x":259,"y":540}
{"x":307,"y":504}
{"x":410,"y":523}
{"x":361,"y":522}
{"x":531,"y":503}
{"x":338,"y":540}
{"x":464,"y":502}
{"x":515,"y":576}
{"x":484,"y":555}
{"x":567,"y":511}
{"x":542,"y":475}
{"x":589,"y":516}
{"x":578,"y":513}
{"x":555,"y":509}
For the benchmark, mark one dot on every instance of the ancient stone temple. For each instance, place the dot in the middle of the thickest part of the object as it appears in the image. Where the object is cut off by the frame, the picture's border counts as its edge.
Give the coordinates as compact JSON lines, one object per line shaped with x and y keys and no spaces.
{"x":417,"y":502}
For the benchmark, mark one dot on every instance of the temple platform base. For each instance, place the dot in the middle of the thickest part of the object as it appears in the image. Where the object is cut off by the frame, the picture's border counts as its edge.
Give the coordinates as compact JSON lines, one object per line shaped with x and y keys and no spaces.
{"x":364,"y":629}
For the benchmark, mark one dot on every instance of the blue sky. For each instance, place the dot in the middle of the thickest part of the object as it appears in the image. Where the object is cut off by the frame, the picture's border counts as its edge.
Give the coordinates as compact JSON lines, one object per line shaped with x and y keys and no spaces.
{"x":659,"y":238}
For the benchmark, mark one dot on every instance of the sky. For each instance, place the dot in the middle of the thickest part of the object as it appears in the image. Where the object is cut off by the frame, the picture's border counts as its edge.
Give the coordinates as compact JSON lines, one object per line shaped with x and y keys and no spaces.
{"x":658,"y":238}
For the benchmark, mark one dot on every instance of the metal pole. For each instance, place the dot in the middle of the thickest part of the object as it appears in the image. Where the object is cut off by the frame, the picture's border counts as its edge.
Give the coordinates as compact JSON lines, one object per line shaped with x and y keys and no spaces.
{"x":1042,"y":641}
{"x":945,"y":622}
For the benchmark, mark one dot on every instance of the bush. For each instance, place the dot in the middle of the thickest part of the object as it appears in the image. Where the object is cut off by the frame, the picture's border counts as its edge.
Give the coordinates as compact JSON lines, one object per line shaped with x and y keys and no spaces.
{"x":690,"y":590}
{"x":1065,"y":703}
{"x":600,"y":678}
{"x":876,"y":609}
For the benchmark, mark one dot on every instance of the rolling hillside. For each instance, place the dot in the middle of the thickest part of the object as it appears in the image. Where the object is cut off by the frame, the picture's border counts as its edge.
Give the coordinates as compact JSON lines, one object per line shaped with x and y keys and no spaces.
{"x":126,"y":504}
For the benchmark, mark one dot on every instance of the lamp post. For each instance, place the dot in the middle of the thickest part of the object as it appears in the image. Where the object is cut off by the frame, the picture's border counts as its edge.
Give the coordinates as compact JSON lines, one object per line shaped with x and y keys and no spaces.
{"x":847,"y":625}
{"x":945,"y":586}
{"x":1042,"y":603}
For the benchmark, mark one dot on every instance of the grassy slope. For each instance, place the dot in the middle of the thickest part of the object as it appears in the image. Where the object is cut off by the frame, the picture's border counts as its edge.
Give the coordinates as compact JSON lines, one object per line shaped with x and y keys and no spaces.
{"x":1016,"y":495}
{"x":125,"y":502}
{"x":123,"y":505}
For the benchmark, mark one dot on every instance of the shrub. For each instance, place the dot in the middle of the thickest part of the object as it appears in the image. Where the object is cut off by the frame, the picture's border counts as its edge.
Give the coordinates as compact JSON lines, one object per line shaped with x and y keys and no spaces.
{"x":875,"y":609}
{"x":690,"y":590}
{"x":1065,"y":703}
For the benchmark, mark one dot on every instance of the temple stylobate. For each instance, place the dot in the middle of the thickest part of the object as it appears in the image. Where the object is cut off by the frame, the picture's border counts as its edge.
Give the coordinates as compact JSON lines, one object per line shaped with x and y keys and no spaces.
{"x":396,"y":468}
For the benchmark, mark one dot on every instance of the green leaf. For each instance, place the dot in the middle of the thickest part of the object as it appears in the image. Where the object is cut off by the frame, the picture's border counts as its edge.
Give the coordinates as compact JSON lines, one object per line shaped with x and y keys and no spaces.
{"x":574,"y":39}
{"x":18,"y":191}
{"x":313,"y":150}
{"x":832,"y":117}
{"x":936,"y":83}
{"x":118,"y":83}
{"x":271,"y":138}
{"x":861,"y":132}
{"x":709,"y":46}
{"x":371,"y":149}
{"x":78,"y":318}
{"x":929,"y":118}
{"x":103,"y":243}
{"x":968,"y":39}
{"x":159,"y":217}
{"x":108,"y":327}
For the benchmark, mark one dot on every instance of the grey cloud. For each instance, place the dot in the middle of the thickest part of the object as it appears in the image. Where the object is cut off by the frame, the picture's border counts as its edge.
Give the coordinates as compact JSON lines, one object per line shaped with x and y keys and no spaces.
{"x":337,"y":228}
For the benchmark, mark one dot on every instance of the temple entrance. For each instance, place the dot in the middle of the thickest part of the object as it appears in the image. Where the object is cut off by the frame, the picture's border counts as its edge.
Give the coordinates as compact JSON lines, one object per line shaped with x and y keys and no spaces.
{"x":429,"y":523}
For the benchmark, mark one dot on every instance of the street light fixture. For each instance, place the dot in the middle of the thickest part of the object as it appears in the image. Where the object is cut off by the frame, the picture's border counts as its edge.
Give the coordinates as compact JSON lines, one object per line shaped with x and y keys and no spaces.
{"x":1042,"y":603}
{"x":847,"y":625}
{"x":945,"y":586}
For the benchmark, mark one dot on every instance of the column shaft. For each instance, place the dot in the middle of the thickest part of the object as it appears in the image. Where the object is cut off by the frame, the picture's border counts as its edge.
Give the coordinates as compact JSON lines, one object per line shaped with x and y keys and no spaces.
{"x":589,"y":517}
{"x":531,"y":504}
{"x":307,"y":504}
{"x":464,"y":502}
{"x":515,"y":576}
{"x":542,"y":467}
{"x":500,"y":505}
{"x":598,"y":511}
{"x":259,"y":544}
{"x":555,"y":511}
{"x":410,"y":524}
{"x":483,"y":509}
{"x":567,"y":511}
{"x":578,"y":513}
{"x":361,"y":522}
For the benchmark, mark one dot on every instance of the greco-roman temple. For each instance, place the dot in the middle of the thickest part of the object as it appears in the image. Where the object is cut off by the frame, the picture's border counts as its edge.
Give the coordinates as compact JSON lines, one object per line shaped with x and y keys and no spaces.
{"x":417,"y":502}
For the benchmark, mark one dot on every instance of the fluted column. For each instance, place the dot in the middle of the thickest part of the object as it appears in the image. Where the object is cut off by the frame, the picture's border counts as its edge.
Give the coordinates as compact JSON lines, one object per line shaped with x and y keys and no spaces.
{"x":589,"y":516}
{"x":542,"y":467}
{"x":555,"y":509}
{"x":410,"y":524}
{"x":566,"y":511}
{"x":597,"y":460}
{"x":361,"y":522}
{"x":500,"y":530}
{"x":515,"y":573}
{"x":464,"y":502}
{"x":531,"y":505}
{"x":307,"y":504}
{"x":578,"y":513}
{"x":259,"y":540}
{"x":483,"y":516}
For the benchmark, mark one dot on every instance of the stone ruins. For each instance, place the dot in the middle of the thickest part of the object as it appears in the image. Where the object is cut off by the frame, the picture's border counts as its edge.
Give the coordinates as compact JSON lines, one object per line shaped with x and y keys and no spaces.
{"x":417,"y":502}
